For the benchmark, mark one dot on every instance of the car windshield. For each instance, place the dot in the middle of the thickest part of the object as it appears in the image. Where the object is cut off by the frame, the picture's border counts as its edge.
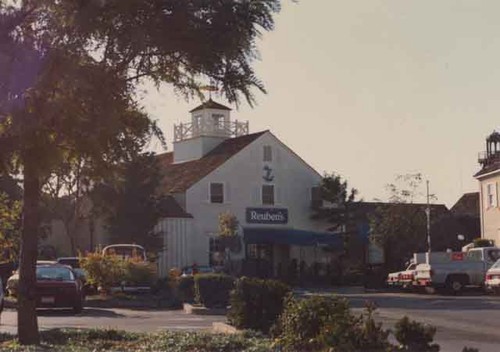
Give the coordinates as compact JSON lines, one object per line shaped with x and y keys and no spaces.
{"x":54,"y":274}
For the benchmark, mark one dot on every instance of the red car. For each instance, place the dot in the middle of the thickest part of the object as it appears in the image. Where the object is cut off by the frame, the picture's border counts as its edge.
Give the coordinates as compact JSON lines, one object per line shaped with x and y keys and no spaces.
{"x":58,"y":286}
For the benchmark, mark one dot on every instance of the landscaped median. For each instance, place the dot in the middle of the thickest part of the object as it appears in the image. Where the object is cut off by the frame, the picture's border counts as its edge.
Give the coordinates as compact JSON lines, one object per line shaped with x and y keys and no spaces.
{"x":112,"y":340}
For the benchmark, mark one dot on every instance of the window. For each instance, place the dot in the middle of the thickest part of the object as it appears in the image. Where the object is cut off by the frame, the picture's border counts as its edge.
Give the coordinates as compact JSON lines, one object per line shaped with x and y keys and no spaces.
{"x":491,"y":195}
{"x":268,"y":153}
{"x":216,"y":193}
{"x":268,"y":194}
{"x":218,"y":121}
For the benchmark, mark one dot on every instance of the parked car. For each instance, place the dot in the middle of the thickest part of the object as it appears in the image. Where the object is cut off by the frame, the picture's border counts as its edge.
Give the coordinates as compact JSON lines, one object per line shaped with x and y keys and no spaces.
{"x":402,"y":279}
{"x":74,"y":263}
{"x":13,"y":280}
{"x":492,"y":279}
{"x":57,"y":286}
{"x":126,"y":251}
{"x":203,"y":269}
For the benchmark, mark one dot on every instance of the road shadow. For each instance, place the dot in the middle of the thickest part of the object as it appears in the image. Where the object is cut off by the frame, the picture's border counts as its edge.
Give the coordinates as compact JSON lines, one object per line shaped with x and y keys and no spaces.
{"x":426,"y":301}
{"x":87,"y":312}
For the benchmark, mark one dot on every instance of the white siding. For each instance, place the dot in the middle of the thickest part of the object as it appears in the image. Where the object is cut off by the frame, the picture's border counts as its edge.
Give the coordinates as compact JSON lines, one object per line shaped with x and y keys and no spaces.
{"x":243,"y":176}
{"x":176,"y":235}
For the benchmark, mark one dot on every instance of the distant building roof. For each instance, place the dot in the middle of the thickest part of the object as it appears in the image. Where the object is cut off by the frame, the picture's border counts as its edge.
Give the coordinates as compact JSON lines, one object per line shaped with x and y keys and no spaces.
{"x":468,"y":204}
{"x":210,"y":104}
{"x":177,"y":178}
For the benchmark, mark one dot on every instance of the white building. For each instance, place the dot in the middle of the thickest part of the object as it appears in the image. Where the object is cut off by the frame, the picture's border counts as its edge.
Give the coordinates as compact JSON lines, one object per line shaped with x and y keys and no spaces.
{"x":216,"y":166}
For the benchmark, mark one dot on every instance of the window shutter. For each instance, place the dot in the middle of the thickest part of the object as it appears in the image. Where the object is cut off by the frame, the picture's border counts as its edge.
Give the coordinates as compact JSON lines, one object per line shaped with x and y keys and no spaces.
{"x":495,"y":194}
{"x":278,"y":195}
{"x":256,"y":197}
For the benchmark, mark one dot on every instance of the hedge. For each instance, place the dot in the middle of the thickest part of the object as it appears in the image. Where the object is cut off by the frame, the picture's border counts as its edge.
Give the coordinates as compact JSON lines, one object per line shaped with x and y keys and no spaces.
{"x":256,"y":303}
{"x":212,"y":290}
{"x":185,"y":289}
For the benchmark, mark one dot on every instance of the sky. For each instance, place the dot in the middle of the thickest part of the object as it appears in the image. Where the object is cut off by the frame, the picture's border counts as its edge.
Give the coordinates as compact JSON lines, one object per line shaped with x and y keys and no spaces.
{"x":374,"y":89}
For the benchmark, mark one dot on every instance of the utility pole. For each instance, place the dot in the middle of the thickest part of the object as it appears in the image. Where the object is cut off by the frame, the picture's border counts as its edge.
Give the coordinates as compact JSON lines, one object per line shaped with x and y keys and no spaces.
{"x":428,"y":213}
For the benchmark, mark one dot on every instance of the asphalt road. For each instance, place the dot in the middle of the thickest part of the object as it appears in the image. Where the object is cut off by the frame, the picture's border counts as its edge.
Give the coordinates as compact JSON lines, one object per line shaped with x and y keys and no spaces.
{"x":120,"y":319}
{"x":470,"y":320}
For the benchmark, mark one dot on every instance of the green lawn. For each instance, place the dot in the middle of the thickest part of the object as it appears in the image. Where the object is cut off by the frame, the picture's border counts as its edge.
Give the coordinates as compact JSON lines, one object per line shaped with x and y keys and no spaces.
{"x":112,"y":340}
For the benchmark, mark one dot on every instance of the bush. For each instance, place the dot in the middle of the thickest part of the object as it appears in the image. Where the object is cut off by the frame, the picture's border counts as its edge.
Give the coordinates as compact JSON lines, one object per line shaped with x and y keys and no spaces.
{"x":256,"y":304}
{"x":327,"y":324}
{"x":139,"y":273}
{"x":108,"y":271}
{"x":414,"y":336}
{"x":184,"y":288}
{"x":104,"y":271}
{"x":212,"y":290}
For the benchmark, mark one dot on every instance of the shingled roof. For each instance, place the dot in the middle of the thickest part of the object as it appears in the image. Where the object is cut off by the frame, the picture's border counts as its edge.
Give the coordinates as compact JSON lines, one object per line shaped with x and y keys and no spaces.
{"x":468,"y":205}
{"x":210,"y":104}
{"x":177,"y":178}
{"x":488,"y":168}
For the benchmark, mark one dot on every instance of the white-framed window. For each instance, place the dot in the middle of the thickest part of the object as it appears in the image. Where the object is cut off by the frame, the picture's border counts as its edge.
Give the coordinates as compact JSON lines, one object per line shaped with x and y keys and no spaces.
{"x":268,"y":153}
{"x":268,"y":195}
{"x":216,"y":192}
{"x":491,"y":195}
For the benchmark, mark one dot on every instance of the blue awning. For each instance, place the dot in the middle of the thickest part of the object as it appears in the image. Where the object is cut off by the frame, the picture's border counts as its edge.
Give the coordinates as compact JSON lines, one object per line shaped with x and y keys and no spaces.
{"x":265,"y":235}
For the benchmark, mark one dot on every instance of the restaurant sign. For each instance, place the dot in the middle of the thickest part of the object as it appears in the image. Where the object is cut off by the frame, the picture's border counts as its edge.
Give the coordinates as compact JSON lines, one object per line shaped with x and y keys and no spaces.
{"x":267,"y":216}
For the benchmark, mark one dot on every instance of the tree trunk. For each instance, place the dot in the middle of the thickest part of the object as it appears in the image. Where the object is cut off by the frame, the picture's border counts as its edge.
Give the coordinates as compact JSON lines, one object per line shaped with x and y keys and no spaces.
{"x":26,"y":313}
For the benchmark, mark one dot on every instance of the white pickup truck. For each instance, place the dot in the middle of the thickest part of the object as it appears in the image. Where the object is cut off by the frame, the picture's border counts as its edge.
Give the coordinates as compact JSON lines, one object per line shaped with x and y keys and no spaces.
{"x":455,"y":270}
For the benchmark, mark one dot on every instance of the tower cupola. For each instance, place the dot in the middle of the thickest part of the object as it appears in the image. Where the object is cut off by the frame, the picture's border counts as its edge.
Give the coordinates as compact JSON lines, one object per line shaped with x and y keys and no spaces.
{"x":210,"y":125}
{"x":492,"y":153}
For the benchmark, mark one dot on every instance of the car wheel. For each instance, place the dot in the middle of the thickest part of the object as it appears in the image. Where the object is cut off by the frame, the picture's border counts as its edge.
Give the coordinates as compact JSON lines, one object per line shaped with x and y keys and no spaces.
{"x":454,"y":285}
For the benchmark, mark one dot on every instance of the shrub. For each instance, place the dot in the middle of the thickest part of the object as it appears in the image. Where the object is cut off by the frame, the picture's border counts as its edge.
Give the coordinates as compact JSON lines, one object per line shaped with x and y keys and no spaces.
{"x":256,"y":303}
{"x":107,"y":271}
{"x":139,"y":273}
{"x":184,"y":288}
{"x":212,"y":290}
{"x":104,"y":271}
{"x":327,"y":324}
{"x":415,"y":336}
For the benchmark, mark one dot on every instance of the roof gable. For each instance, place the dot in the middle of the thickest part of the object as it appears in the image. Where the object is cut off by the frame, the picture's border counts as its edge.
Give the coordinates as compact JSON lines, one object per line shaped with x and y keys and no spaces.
{"x":177,"y":178}
{"x":210,"y":104}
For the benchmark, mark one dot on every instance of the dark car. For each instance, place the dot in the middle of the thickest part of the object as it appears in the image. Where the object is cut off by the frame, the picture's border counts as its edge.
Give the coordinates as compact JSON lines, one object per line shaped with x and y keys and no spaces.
{"x":57,"y":286}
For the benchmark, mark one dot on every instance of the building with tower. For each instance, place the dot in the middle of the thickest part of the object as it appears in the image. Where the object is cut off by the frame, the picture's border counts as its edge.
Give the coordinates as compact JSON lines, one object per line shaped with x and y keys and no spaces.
{"x":489,"y":180}
{"x":217,"y":166}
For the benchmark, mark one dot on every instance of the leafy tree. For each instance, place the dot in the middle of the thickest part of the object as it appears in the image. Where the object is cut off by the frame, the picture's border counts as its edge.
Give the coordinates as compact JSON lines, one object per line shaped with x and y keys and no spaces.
{"x":10,"y":227}
{"x":130,"y":203}
{"x":228,"y":236}
{"x":66,"y":198}
{"x":68,"y":70}
{"x":339,"y":209}
{"x":400,"y":225}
